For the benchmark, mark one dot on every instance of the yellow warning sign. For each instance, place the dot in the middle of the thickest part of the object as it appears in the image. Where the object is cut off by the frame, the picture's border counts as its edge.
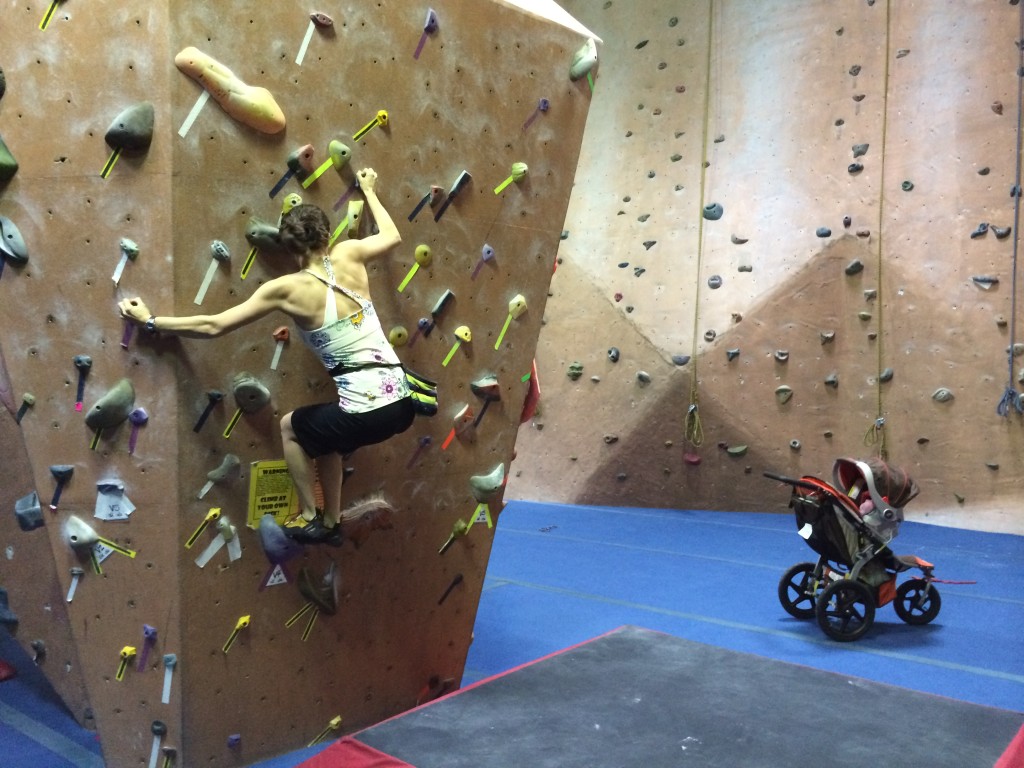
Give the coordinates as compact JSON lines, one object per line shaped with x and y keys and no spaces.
{"x":271,"y":492}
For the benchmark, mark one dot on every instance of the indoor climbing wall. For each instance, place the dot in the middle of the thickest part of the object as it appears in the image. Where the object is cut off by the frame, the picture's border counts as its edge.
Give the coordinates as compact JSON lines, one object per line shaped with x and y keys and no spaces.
{"x":147,"y":151}
{"x":796,"y":241}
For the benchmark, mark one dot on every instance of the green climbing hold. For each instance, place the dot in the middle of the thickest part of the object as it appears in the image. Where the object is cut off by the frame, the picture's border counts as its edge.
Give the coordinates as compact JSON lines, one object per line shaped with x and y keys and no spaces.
{"x":575,"y":370}
{"x":907,"y":185}
{"x":783,"y":394}
{"x":736,"y":450}
{"x":713,"y":211}
{"x":8,"y":165}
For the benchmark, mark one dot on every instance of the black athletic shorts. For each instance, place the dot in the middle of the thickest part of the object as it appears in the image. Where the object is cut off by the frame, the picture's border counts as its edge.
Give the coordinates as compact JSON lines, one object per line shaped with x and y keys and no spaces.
{"x":325,"y":428}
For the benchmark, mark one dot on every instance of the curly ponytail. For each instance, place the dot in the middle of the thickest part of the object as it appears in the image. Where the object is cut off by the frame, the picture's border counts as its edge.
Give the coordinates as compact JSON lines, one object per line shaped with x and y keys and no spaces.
{"x":305,"y":228}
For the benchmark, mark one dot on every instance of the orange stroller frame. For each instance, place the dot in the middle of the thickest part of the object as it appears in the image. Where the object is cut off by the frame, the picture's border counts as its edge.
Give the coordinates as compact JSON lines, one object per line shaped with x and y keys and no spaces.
{"x":856,"y":572}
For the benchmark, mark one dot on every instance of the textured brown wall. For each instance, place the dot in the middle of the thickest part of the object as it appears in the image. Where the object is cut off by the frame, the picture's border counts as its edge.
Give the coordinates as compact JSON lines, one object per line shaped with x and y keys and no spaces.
{"x":462,"y":105}
{"x":774,"y":100}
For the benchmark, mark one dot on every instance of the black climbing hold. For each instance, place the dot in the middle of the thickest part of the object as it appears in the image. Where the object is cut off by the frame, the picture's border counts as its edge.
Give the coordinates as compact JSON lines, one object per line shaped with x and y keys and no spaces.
{"x":643,"y":377}
{"x":886,"y":375}
{"x":902,"y":52}
{"x":641,"y":44}
{"x":745,"y":268}
{"x":662,"y":65}
{"x":649,"y":243}
{"x":855,"y":70}
{"x":564,"y":235}
{"x":858,"y":97}
{"x":738,"y":240}
{"x":613,"y":354}
{"x":637,"y":271}
{"x":985,"y":281}
{"x":983,"y":171}
{"x":859,"y":150}
{"x":847,"y":221}
{"x":680,"y":359}
{"x":3,"y":83}
{"x":855,"y":168}
{"x":854,"y":267}
{"x":29,"y":512}
{"x":1014,"y":191}
{"x":720,"y":138}
{"x":676,"y":157}
{"x":839,"y":122}
{"x":823,"y":232}
{"x":651,"y":174}
{"x":7,"y":617}
{"x":1001,"y":233}
{"x":713,"y":211}
{"x":628,"y":134}
{"x":623,"y":264}
{"x":980,"y":231}
{"x":714,"y":282}
{"x":732,"y":354}
{"x":611,"y":439}
{"x":626,"y":199}
{"x":709,"y":335}
{"x":832,"y":380}
{"x":644,"y":217}
{"x":673,"y":21}
{"x":907,"y":185}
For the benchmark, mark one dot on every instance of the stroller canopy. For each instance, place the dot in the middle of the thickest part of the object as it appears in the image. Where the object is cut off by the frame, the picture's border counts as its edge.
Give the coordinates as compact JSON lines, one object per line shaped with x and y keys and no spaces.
{"x":891,"y":482}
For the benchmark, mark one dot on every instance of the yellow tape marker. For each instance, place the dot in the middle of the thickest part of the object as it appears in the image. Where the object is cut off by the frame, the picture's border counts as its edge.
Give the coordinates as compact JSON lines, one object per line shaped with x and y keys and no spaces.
{"x":309,"y":625}
{"x":109,"y":166}
{"x":127,"y":654}
{"x":381,"y":118}
{"x":116,"y":547}
{"x":231,"y":424}
{"x":95,"y":440}
{"x":249,"y":259}
{"x":299,"y":614}
{"x":334,"y":725}
{"x":212,"y":515}
{"x":49,"y":14}
{"x":317,"y":173}
{"x":241,"y":624}
{"x":96,"y":567}
{"x":337,"y":233}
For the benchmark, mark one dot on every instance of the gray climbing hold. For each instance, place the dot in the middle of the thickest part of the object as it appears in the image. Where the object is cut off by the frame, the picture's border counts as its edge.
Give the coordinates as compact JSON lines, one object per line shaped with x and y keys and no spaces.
{"x":738,"y":240}
{"x":12,"y":244}
{"x":923,"y":441}
{"x":832,"y":380}
{"x":613,"y":354}
{"x":648,"y":244}
{"x":643,"y":377}
{"x":713,"y":211}
{"x":782,"y":355}
{"x":855,"y":70}
{"x":847,"y":221}
{"x":720,"y":138}
{"x":715,"y":282}
{"x":611,"y":439}
{"x":676,"y":157}
{"x":794,"y":445}
{"x":985,"y":281}
{"x":745,"y":268}
{"x":651,"y":174}
{"x":823,"y":232}
{"x":859,"y":150}
{"x":942,"y":395}
{"x":1001,"y":233}
{"x":855,"y":168}
{"x":993,"y":465}
{"x":870,"y":294}
{"x":886,"y":375}
{"x":637,"y":271}
{"x":854,"y":267}
{"x":673,"y":21}
{"x":731,"y":354}
{"x":8,"y":165}
{"x":263,"y":235}
{"x":132,"y":130}
{"x":979,"y":231}
{"x":783,"y":394}
{"x":564,"y":235}
{"x":709,"y":334}
{"x":250,"y":394}
{"x":984,"y":171}
{"x":575,"y":370}
{"x":29,"y":512}
{"x":827,"y":337}
{"x":680,"y":359}
{"x":907,"y":185}
{"x":113,"y":408}
{"x":1017,"y":350}
{"x":644,"y":217}
{"x":902,"y":52}
{"x":641,"y":44}
{"x":863,"y":233}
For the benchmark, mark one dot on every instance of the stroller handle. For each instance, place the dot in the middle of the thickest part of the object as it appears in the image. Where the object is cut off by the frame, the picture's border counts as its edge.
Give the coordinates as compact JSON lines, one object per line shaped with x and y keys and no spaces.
{"x":792,"y":481}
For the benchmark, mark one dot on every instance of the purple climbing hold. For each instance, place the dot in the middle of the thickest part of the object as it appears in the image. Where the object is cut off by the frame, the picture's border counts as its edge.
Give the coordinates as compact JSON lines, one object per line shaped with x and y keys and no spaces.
{"x":680,"y":359}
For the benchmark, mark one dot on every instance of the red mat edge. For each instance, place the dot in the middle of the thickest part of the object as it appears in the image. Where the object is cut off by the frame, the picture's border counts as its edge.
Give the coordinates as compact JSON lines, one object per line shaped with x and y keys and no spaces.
{"x":1013,"y":757}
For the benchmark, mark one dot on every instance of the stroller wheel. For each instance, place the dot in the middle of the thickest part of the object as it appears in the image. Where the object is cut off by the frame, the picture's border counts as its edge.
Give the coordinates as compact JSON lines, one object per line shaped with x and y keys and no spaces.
{"x":917,"y":601}
{"x":845,"y":610}
{"x":798,"y":591}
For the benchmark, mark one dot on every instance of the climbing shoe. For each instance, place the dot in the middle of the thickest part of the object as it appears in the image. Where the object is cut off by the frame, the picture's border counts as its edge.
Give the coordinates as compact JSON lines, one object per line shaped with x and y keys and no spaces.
{"x":315,"y":532}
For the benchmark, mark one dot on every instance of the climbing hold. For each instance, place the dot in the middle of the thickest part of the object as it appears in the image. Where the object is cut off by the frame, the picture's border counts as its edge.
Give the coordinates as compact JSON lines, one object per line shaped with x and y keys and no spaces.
{"x":583,"y":60}
{"x":855,"y":70}
{"x":714,"y":282}
{"x":858,"y":97}
{"x":907,"y":185}
{"x":596,"y":379}
{"x":855,"y":168}
{"x":1001,"y":321}
{"x":870,"y":294}
{"x":886,"y":375}
{"x":783,"y":394}
{"x":794,"y":445}
{"x":673,"y":21}
{"x":1017,"y":349}
{"x":713,"y":211}
{"x":613,"y":354}
{"x":732,"y":354}
{"x":854,"y":267}
{"x":575,"y":370}
{"x":617,"y":296}
{"x":113,"y":408}
{"x":1001,"y":233}
{"x":8,"y":165}
{"x":12,"y":244}
{"x":827,"y":433}
{"x":250,"y":105}
{"x":827,"y":337}
{"x":859,"y":150}
{"x":486,"y":488}
{"x":736,"y":450}
{"x":643,"y":377}
{"x":29,"y":512}
{"x":872,"y":335}
{"x":832,"y":380}
{"x":1015,"y":191}
{"x":745,"y":268}
{"x":651,"y":174}
{"x":737,"y":317}
{"x":641,"y":44}
{"x":719,"y":138}
{"x":864,"y":315}
{"x":637,"y":271}
{"x":997,"y":107}
{"x":847,"y":221}
{"x":923,"y":441}
{"x":823,"y":232}
{"x":979,"y":231}
{"x":398,"y":336}
{"x":984,"y":171}
{"x":680,"y":359}
{"x":959,"y":499}
{"x":321,"y":20}
{"x":623,"y":264}
{"x":3,"y":83}
{"x":709,"y":335}
{"x":261,"y":234}
{"x":738,"y":240}
{"x":132,"y":130}
{"x":985,"y":281}
{"x":782,"y":355}
{"x":840,"y":122}
{"x":692,"y":459}
{"x":648,"y":244}
{"x":643,"y":217}
{"x":680,"y":89}
{"x":611,"y":439}
{"x":942,"y":395}
{"x":902,"y":52}
{"x":992,"y":465}
{"x":863,"y":233}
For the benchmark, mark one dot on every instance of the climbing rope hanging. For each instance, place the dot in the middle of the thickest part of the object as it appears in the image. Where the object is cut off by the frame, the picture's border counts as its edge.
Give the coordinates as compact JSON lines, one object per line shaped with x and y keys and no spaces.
{"x":693,"y":431}
{"x":1012,"y":399}
{"x":875,"y":434}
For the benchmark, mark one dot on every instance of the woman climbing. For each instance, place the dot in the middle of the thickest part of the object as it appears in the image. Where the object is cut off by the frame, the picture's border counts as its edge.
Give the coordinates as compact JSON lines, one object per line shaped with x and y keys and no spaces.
{"x":328,"y":298}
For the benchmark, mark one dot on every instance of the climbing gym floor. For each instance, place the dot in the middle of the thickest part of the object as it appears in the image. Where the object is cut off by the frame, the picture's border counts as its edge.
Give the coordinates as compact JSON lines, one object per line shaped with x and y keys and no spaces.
{"x":704,"y":583}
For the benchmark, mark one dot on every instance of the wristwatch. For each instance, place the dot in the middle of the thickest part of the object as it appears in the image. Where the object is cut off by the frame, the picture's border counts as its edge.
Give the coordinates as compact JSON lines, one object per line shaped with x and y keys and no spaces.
{"x":151,"y":324}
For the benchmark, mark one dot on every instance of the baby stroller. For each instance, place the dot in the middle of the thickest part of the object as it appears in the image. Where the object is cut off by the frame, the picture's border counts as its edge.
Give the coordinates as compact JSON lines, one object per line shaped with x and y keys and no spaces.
{"x":851,"y":529}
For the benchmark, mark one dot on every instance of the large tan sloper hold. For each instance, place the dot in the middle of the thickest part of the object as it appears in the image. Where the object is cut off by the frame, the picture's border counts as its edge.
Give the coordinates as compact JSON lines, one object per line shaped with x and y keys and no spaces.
{"x":248,"y":104}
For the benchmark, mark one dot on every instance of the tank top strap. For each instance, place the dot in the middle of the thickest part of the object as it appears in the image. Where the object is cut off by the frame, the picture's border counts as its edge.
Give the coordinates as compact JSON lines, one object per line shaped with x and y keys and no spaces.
{"x":331,"y":285}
